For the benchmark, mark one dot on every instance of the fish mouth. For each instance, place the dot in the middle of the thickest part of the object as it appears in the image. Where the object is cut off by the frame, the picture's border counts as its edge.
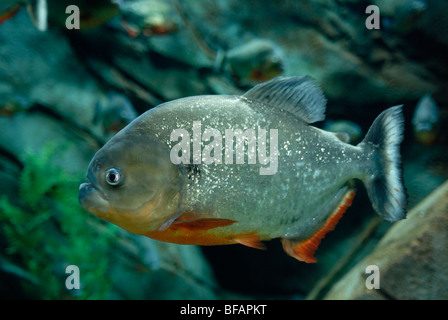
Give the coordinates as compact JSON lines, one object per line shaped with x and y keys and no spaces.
{"x":92,"y":199}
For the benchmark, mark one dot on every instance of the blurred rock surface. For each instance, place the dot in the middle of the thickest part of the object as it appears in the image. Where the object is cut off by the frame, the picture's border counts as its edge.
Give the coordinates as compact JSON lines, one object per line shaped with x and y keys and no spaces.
{"x":412,"y":257}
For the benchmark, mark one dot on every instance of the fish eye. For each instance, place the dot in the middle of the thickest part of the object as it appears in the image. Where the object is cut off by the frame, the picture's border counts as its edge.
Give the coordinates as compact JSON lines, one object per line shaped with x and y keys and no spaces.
{"x":113,"y":176}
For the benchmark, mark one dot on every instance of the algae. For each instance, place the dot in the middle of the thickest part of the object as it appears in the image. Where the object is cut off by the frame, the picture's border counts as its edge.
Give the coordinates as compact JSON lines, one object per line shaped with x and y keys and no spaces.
{"x":45,"y":231}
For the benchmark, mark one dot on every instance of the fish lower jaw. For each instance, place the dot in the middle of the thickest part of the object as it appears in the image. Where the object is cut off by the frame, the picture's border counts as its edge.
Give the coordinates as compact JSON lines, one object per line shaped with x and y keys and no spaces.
{"x":93,"y":200}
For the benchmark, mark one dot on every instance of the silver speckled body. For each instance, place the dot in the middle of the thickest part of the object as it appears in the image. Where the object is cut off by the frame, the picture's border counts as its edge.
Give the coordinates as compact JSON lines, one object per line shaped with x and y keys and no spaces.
{"x":168,"y":174}
{"x":313,"y":167}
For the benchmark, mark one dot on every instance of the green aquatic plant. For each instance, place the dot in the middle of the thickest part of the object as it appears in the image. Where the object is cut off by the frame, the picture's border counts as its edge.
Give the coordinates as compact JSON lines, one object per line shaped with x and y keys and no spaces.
{"x":46,"y":230}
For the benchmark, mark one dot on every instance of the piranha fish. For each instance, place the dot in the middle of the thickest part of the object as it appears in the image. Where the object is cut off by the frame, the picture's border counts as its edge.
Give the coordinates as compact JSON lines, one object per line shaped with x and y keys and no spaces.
{"x":256,"y":61}
{"x":134,"y":185}
{"x":147,"y":17}
{"x":426,"y":121}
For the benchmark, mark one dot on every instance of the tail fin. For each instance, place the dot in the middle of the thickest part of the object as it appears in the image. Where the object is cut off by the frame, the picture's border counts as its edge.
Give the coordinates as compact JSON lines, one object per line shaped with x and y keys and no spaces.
{"x":384,"y":183}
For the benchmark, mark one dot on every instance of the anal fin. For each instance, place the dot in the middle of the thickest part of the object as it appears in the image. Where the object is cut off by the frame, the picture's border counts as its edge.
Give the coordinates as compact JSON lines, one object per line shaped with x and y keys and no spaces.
{"x":303,"y":250}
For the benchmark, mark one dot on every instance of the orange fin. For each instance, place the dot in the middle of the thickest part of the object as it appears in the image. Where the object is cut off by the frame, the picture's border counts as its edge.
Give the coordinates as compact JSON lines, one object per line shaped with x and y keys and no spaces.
{"x":253,"y":242}
{"x":303,"y":250}
{"x":200,"y":224}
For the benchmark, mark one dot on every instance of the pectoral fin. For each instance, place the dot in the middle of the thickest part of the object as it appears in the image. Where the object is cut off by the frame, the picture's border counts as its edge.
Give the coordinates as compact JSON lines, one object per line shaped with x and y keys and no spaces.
{"x":200,"y":224}
{"x":303,"y":250}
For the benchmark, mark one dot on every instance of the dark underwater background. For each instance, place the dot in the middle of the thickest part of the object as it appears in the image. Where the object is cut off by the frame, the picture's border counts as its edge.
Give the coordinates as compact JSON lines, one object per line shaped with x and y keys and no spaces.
{"x":65,"y":92}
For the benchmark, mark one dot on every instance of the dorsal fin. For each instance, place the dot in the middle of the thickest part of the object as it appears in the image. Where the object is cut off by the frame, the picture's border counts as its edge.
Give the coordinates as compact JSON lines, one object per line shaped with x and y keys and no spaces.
{"x":300,"y":96}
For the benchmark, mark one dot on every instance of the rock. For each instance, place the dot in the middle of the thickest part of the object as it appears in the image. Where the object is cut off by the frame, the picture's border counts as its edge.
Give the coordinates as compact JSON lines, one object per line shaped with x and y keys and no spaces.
{"x":412,"y":257}
{"x":325,"y":39}
{"x":145,"y":74}
{"x":42,"y":68}
{"x":329,"y":41}
{"x":143,"y":268}
{"x":29,"y":132}
{"x":407,"y":16}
